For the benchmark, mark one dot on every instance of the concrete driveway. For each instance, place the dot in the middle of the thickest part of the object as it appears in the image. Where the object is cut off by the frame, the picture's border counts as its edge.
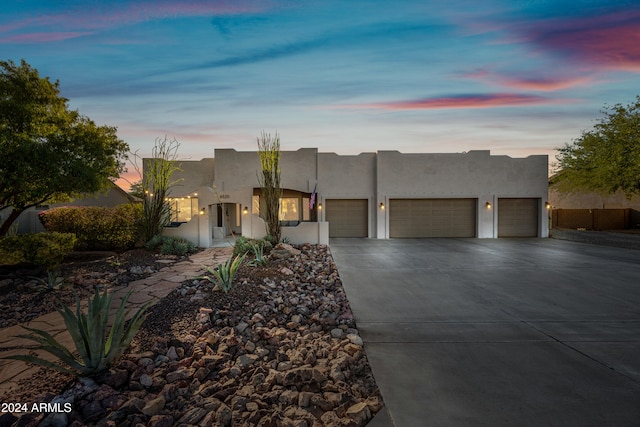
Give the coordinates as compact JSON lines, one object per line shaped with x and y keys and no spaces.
{"x":508,"y":332}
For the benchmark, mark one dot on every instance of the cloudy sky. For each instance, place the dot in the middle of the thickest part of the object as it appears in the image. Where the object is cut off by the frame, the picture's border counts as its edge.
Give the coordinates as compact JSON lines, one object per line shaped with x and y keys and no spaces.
{"x":514,"y":77}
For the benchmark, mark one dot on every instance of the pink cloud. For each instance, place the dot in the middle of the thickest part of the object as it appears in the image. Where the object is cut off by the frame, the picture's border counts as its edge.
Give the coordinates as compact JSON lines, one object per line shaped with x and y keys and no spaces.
{"x":459,"y":102}
{"x":611,"y":41}
{"x":541,"y":84}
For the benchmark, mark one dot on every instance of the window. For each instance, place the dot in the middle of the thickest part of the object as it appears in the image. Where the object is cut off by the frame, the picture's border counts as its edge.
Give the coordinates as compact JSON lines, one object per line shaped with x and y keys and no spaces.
{"x":289,"y":209}
{"x":183,"y":208}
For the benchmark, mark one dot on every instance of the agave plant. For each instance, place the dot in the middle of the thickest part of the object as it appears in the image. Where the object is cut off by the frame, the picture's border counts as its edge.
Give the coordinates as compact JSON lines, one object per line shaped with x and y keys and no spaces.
{"x":258,"y":251}
{"x":223,"y":275}
{"x":52,"y":282}
{"x":96,"y":348}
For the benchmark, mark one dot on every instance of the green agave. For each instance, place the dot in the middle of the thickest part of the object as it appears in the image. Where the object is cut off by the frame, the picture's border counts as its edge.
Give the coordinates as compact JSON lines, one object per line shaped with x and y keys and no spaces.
{"x":258,"y":251}
{"x":96,"y":348}
{"x":223,"y":275}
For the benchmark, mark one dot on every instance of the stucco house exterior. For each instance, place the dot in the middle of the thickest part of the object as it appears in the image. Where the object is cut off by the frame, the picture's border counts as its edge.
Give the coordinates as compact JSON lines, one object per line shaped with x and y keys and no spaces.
{"x":386,"y":194}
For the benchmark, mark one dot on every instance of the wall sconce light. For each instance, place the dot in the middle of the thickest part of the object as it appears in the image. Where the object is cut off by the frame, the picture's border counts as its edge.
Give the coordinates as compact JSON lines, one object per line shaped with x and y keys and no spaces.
{"x":245,"y":210}
{"x":488,"y":205}
{"x":381,"y":206}
{"x":319,"y":206}
{"x":202,"y":211}
{"x":547,"y":205}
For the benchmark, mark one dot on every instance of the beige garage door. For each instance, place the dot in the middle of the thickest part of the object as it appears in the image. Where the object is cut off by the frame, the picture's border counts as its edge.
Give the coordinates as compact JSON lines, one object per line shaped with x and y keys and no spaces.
{"x":518,"y":217}
{"x":432,"y":218}
{"x":347,"y":217}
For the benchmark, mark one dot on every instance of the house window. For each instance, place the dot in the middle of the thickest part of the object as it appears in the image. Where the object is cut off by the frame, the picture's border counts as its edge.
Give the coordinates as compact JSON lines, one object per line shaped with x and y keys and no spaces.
{"x":255,"y":205}
{"x":183,"y":208}
{"x":289,"y":209}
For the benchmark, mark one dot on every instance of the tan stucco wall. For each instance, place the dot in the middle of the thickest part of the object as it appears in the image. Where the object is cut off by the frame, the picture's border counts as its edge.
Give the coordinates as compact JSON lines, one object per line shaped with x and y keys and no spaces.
{"x":475,"y":174}
{"x":377,"y":177}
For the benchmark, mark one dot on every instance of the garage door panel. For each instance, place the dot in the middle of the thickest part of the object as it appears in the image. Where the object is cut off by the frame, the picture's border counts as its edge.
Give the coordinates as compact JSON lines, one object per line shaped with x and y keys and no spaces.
{"x":518,"y":217}
{"x":347,"y":217}
{"x":414,"y":218}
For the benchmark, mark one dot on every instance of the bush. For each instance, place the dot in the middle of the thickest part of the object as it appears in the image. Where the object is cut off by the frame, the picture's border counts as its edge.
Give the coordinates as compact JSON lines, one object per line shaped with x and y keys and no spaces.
{"x":170,"y":245}
{"x":97,"y":228}
{"x":43,"y":249}
{"x":244,"y":245}
{"x":177,"y":246}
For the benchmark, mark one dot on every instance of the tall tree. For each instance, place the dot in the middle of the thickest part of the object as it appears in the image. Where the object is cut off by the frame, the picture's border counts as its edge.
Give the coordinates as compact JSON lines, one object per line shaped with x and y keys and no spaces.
{"x":269,"y":179}
{"x":606,"y":158}
{"x":48,"y":151}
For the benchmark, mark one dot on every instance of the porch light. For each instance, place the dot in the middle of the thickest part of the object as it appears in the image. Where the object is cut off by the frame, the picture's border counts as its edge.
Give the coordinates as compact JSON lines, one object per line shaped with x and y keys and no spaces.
{"x":245,"y":210}
{"x":319,"y":206}
{"x":202,"y":211}
{"x":547,"y":205}
{"x":381,"y":206}
{"x":488,"y":205}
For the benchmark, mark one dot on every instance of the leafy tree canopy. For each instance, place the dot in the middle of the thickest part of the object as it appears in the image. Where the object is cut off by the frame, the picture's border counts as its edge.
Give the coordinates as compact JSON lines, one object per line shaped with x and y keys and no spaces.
{"x":606,"y":158}
{"x":48,"y":151}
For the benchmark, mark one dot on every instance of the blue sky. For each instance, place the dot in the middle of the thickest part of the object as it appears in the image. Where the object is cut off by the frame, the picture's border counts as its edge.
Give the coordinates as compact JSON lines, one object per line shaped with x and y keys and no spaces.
{"x":513,"y":77}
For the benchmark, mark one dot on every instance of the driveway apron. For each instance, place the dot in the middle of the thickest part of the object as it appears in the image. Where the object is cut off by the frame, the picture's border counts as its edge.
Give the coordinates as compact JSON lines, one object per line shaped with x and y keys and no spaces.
{"x":497,"y":332}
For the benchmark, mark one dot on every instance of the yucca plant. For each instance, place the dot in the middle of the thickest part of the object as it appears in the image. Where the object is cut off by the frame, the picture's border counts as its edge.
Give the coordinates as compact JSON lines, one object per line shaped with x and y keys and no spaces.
{"x":96,"y":348}
{"x":223,"y":275}
{"x":258,"y":251}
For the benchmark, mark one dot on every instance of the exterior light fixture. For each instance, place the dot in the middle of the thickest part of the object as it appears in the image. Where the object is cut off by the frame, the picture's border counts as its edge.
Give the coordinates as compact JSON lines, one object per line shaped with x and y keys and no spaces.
{"x":547,"y":205}
{"x":488,"y":205}
{"x":202,"y":211}
{"x":319,"y":206}
{"x":381,"y":206}
{"x":195,"y":194}
{"x":245,"y":210}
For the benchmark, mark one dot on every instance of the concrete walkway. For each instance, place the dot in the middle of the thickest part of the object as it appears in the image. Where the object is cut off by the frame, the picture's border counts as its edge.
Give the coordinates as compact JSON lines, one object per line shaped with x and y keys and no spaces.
{"x":153,"y":288}
{"x":497,"y":332}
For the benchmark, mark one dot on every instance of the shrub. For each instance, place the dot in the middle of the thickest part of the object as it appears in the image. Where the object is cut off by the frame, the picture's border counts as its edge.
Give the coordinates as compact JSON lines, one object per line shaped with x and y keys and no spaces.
{"x":170,"y":245}
{"x":97,"y":228}
{"x":155,"y":242}
{"x":244,"y":245}
{"x":96,"y":348}
{"x":43,"y":249}
{"x":177,"y":246}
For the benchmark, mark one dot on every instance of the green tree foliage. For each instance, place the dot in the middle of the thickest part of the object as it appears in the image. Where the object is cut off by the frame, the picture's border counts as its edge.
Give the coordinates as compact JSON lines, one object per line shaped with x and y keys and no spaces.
{"x":156,"y":177}
{"x":606,"y":158}
{"x":48,"y":151}
{"x":269,"y":179}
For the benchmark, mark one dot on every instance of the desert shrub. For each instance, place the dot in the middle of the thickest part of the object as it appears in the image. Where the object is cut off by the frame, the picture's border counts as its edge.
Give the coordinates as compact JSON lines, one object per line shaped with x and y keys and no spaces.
{"x":43,"y":249}
{"x":272,"y":240}
{"x":97,"y":228}
{"x":155,"y":242}
{"x":176,"y":246}
{"x":168,"y":245}
{"x":244,"y":245}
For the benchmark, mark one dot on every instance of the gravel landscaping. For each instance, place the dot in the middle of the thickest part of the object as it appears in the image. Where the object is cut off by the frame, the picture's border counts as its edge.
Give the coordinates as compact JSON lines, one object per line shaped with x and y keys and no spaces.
{"x":280,"y":349}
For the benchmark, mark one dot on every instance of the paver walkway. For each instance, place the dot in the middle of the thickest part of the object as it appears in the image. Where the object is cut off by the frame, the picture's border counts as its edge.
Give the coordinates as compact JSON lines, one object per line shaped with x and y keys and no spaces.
{"x":154,"y":288}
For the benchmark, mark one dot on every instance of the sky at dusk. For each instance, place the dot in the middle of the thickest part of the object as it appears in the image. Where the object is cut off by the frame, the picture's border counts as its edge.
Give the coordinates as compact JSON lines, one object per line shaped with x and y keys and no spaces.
{"x":514,"y":77}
